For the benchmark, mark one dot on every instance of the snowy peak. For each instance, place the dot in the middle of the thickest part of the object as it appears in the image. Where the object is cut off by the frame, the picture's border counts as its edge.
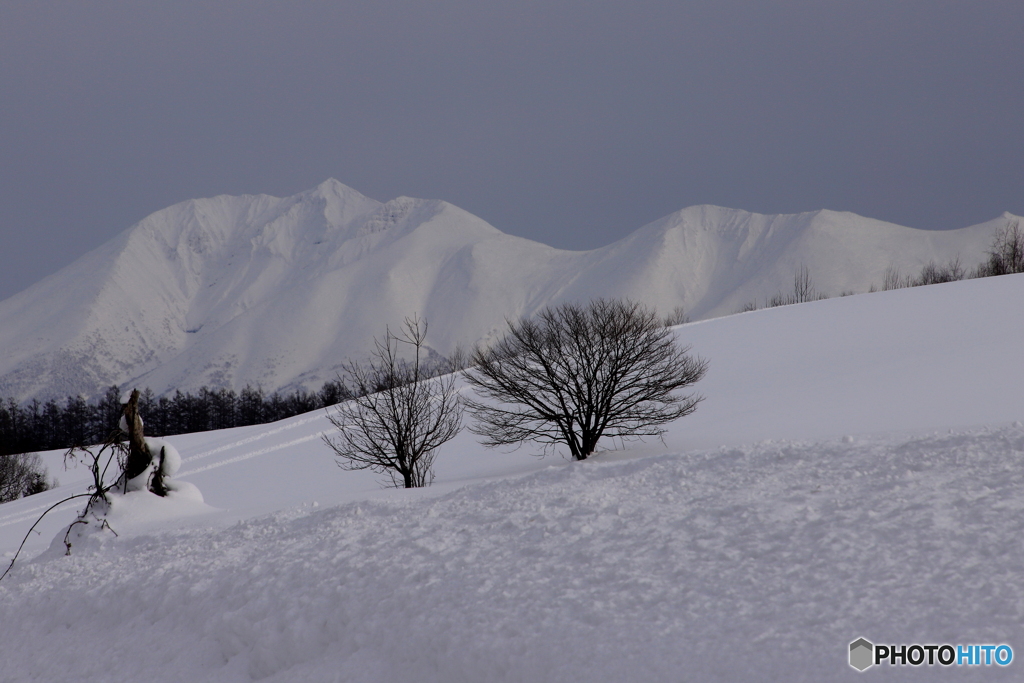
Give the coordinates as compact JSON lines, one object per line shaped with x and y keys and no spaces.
{"x":229,"y":291}
{"x":733,"y":257}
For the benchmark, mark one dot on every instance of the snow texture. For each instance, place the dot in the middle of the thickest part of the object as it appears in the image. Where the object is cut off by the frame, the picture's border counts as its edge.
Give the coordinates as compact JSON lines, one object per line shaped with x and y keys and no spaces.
{"x":167,"y":455}
{"x":230,"y":291}
{"x":854,"y":472}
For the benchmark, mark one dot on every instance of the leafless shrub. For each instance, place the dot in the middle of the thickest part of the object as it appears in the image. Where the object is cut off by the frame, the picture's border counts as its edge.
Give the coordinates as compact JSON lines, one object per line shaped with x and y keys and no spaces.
{"x":933,"y":274}
{"x":400,"y":416}
{"x":21,"y":475}
{"x":575,"y":374}
{"x":458,"y":360}
{"x":893,"y":279}
{"x":748,"y":307}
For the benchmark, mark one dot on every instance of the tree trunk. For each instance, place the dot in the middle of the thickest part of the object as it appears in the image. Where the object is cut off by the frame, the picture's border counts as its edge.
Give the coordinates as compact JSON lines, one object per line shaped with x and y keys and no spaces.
{"x":138,"y":454}
{"x":139,"y":457}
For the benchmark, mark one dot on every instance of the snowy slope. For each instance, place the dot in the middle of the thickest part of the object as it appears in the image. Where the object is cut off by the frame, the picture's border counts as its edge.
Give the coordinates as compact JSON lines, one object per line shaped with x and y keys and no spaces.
{"x":719,"y":259}
{"x":231,"y":291}
{"x":854,"y":471}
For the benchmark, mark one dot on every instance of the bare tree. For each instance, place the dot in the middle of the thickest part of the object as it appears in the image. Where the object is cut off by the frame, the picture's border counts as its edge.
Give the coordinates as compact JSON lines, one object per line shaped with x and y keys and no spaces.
{"x":400,"y":415}
{"x":575,"y":374}
{"x":1006,"y":255}
{"x":803,"y":290}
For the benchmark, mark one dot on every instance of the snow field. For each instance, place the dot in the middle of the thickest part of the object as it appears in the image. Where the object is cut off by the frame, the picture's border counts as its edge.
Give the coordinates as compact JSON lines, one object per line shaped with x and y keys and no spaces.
{"x":755,"y":563}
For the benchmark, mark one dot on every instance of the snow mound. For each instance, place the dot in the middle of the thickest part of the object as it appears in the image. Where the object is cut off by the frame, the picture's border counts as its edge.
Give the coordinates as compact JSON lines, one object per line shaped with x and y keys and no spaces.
{"x":129,"y":514}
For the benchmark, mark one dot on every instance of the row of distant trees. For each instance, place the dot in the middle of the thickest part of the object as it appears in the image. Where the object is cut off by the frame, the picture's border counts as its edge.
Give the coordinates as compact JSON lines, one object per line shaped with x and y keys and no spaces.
{"x":1005,"y":257}
{"x":53,"y":424}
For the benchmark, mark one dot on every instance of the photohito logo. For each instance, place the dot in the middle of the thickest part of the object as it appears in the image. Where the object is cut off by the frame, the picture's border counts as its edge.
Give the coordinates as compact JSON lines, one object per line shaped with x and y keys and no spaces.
{"x":865,"y":654}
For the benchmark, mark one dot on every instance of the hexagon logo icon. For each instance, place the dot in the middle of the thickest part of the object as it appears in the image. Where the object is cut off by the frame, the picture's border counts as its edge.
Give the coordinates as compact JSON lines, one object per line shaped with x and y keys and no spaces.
{"x":862,"y":654}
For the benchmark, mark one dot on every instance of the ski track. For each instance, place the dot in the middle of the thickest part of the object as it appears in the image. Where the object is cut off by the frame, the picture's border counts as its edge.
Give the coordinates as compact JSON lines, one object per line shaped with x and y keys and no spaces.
{"x":24,"y":514}
{"x":247,"y":455}
{"x":259,"y":436}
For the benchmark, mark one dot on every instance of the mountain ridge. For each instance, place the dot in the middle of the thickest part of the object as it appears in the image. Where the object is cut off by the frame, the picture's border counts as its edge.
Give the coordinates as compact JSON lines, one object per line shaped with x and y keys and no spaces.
{"x":255,"y":289}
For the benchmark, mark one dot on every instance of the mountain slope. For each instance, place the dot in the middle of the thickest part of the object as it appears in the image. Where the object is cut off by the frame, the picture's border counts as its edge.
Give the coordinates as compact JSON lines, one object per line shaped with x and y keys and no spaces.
{"x":229,"y":291}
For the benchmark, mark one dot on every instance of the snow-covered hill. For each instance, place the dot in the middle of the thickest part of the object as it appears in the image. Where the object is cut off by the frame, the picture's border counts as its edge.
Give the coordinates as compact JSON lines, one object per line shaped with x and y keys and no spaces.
{"x":279,"y":292}
{"x":853,"y":472}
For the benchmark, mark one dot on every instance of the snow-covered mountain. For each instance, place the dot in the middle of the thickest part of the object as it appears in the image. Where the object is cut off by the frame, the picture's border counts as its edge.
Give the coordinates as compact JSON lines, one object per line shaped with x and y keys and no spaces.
{"x":279,"y":292}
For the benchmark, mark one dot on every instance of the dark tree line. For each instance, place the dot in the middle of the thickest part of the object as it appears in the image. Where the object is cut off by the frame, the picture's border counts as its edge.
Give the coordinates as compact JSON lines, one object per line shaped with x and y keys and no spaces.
{"x":51,"y":425}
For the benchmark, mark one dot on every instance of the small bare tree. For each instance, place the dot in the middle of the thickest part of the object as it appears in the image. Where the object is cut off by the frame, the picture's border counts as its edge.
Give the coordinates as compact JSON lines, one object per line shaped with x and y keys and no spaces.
{"x":1006,"y":255}
{"x":400,"y":415}
{"x":803,"y":290}
{"x":575,"y":374}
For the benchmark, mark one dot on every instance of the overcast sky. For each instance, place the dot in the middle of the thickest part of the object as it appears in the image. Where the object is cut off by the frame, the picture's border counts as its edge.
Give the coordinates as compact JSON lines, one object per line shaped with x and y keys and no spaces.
{"x":568,"y":122}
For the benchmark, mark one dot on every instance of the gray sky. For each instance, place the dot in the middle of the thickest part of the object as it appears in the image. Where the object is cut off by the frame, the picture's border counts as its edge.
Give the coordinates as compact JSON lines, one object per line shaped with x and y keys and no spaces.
{"x":568,"y":122}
